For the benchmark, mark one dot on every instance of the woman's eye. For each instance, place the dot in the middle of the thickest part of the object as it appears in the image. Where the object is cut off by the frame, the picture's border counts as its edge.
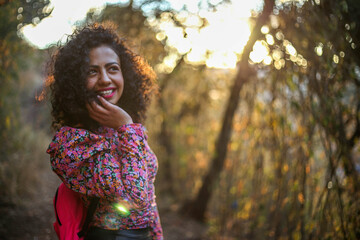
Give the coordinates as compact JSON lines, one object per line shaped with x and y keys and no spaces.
{"x":114,"y":68}
{"x":92,"y":72}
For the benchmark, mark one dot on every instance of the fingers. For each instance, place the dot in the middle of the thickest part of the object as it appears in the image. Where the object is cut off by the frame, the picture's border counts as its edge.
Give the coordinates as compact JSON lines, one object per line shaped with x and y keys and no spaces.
{"x":107,"y":114}
{"x":101,"y":112}
{"x":105,"y":103}
{"x":96,"y":111}
{"x":92,"y":112}
{"x":95,"y":108}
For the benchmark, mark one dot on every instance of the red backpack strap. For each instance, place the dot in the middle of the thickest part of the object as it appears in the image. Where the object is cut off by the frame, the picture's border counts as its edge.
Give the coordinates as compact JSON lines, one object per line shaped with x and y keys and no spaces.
{"x":56,"y":214}
{"x":89,"y":215}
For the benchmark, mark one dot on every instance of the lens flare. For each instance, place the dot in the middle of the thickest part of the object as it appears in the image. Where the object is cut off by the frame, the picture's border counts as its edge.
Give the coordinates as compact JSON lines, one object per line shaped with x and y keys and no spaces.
{"x":122,"y":209}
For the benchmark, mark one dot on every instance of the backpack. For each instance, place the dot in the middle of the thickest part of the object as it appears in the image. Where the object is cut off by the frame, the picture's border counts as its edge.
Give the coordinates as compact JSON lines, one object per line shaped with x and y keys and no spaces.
{"x":72,"y":217}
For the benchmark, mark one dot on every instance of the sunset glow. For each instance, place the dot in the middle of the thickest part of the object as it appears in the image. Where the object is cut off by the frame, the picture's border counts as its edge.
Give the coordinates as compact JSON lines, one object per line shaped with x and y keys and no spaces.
{"x":216,"y":44}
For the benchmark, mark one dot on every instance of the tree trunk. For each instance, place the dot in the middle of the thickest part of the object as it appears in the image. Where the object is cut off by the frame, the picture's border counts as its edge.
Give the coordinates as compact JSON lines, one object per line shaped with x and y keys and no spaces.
{"x":165,"y":134}
{"x":198,"y":206}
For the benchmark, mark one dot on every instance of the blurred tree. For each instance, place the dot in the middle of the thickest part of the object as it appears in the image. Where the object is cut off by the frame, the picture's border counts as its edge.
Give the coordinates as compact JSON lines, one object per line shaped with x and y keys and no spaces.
{"x":139,"y":22}
{"x":13,"y":52}
{"x":329,"y":76}
{"x":131,"y":24}
{"x":297,"y":120}
{"x":300,"y":81}
{"x":314,"y":70}
{"x":32,"y":11}
{"x":322,"y":66}
{"x":197,"y":207}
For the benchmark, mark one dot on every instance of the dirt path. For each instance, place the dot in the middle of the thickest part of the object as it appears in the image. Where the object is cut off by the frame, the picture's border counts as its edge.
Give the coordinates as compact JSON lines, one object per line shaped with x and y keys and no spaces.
{"x":33,"y":219}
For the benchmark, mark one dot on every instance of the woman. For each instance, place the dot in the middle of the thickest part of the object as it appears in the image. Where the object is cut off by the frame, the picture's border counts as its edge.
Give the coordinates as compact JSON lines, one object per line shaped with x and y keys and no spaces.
{"x":100,"y":92}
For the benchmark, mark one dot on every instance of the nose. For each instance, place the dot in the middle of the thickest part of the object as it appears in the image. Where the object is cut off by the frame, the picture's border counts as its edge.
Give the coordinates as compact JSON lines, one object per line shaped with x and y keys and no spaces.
{"x":104,"y":78}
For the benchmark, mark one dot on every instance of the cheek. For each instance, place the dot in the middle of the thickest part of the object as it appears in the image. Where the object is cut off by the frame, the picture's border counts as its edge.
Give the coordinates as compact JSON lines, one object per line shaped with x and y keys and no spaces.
{"x":90,"y":83}
{"x":120,"y":81}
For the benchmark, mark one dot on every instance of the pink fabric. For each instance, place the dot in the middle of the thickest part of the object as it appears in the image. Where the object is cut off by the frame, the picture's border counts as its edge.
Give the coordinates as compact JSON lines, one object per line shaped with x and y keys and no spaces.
{"x":71,"y":213}
{"x":115,"y":165}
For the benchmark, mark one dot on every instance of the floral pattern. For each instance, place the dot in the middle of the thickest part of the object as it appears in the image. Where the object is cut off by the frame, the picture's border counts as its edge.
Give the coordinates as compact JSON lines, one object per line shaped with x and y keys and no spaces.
{"x":117,"y":166}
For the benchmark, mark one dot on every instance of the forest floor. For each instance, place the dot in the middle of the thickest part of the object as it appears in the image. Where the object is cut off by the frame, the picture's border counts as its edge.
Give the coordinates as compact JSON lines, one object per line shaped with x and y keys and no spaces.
{"x":32,"y":219}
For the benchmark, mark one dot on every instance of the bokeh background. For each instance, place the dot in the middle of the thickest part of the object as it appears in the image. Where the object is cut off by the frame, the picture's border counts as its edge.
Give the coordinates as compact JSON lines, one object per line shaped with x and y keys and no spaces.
{"x":256,"y":125}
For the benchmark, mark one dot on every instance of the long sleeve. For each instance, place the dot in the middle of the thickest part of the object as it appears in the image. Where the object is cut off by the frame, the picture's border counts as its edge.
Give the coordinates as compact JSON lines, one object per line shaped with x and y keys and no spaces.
{"x":156,"y":229}
{"x":134,"y":138}
{"x":117,"y":166}
{"x":87,"y":164}
{"x":134,"y":166}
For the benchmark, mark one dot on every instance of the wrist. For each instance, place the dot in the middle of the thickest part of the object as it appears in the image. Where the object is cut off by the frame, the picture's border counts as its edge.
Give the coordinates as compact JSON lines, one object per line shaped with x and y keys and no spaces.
{"x":123,"y":122}
{"x":136,"y":128}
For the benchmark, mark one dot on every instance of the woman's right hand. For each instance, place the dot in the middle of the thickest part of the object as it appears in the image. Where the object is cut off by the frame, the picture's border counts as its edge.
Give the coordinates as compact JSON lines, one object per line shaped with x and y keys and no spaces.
{"x":108,"y":114}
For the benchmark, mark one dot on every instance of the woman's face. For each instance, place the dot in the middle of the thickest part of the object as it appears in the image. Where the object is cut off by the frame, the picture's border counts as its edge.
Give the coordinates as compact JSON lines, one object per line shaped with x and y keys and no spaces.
{"x":104,"y":75}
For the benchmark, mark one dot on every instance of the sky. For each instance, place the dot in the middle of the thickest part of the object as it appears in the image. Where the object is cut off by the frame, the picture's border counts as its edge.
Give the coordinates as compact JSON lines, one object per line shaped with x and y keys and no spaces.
{"x":225,"y":36}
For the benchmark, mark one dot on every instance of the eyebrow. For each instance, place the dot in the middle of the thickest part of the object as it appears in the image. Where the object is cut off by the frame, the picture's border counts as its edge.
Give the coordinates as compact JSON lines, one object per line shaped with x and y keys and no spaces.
{"x":106,"y":65}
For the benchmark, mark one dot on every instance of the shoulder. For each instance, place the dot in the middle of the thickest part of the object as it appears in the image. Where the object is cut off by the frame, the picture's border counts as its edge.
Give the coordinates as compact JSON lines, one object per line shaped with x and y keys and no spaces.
{"x":70,"y":137}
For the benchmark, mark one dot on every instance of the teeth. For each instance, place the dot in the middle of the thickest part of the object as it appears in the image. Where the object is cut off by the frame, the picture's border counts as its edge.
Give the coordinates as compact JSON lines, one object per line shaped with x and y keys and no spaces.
{"x":104,"y":93}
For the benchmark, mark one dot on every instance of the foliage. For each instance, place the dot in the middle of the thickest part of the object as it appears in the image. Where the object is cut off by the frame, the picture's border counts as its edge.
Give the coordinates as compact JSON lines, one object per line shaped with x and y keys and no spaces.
{"x":289,"y":171}
{"x":292,"y":164}
{"x":14,"y":53}
{"x":32,"y":12}
{"x":8,"y":71}
{"x":131,"y":25}
{"x":298,"y":135}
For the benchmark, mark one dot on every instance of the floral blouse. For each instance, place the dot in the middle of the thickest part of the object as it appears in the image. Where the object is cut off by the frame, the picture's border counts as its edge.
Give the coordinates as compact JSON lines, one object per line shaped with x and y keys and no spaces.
{"x":117,"y":166}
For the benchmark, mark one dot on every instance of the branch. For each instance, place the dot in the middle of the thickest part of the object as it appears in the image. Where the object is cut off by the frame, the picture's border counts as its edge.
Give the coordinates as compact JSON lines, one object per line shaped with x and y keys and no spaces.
{"x":356,"y":134}
{"x":197,"y":207}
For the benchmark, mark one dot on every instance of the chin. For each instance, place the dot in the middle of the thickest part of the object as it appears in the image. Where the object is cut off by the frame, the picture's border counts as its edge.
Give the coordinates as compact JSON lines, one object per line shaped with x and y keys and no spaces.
{"x":114,"y":101}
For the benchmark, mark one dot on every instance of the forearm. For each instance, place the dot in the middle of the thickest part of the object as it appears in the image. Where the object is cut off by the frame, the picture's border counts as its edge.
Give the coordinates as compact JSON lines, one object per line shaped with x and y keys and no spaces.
{"x":133,"y":162}
{"x":156,"y":229}
{"x":93,"y":165}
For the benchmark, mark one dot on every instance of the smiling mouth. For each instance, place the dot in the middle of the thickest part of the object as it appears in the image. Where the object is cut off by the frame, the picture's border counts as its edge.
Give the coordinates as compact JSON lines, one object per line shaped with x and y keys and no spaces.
{"x":107,"y":93}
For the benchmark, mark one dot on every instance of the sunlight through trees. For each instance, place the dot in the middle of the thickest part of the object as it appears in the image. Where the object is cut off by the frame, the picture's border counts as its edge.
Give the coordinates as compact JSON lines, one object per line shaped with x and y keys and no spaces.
{"x":257,"y":134}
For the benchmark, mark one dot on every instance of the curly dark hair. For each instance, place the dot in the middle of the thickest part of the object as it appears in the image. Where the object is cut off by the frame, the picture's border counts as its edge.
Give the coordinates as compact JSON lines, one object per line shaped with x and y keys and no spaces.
{"x":68,"y":72}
